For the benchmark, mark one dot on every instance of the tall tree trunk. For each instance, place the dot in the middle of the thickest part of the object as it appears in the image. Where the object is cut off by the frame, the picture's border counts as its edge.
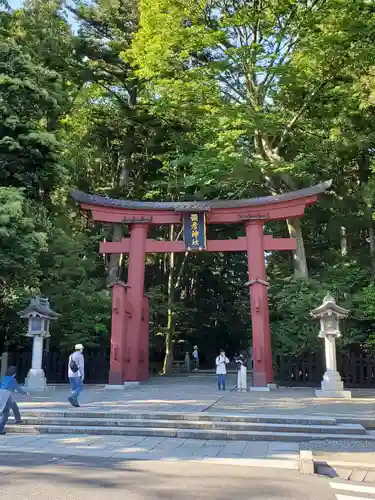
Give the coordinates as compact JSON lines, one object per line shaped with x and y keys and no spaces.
{"x":299,"y":255}
{"x":343,"y":241}
{"x":170,"y":312}
{"x":115,"y":259}
{"x":295,"y":231}
{"x":272,"y":156}
{"x":173,"y":286}
{"x":371,"y":239}
{"x":123,"y":165}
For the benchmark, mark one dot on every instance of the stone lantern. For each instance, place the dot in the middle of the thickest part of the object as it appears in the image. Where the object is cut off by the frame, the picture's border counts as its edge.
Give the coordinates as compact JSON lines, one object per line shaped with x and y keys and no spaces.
{"x":39,"y":315}
{"x":329,"y":314}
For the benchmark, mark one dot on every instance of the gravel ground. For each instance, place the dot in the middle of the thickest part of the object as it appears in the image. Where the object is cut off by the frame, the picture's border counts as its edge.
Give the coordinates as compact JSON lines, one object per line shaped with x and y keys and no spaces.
{"x":339,"y":445}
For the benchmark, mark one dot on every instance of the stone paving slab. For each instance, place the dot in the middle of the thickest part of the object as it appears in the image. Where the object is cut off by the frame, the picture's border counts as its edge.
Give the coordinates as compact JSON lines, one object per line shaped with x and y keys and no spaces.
{"x":199,"y":394}
{"x":196,"y":395}
{"x":151,"y":448}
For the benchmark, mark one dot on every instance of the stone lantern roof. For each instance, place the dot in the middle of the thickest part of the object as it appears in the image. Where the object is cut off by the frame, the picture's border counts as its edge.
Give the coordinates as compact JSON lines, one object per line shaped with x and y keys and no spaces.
{"x":39,"y":306}
{"x":329,"y":308}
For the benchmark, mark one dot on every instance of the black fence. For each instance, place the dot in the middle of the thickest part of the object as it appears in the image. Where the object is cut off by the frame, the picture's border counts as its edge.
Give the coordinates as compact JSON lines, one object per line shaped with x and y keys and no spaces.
{"x":355,"y":370}
{"x":55,"y":366}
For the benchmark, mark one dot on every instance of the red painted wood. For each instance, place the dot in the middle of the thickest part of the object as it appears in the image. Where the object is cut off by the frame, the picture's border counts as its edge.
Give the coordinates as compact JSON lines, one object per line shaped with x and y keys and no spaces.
{"x":136,"y":274}
{"x":129,"y":337}
{"x":116,"y":371}
{"x":105,"y":214}
{"x":236,"y":245}
{"x":143,"y":371}
{"x":272,"y":211}
{"x":262,"y":352}
{"x":272,"y":244}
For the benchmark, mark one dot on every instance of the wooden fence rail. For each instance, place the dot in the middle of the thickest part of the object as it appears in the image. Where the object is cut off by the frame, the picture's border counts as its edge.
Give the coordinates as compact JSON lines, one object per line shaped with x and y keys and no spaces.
{"x":55,"y":365}
{"x":355,"y":370}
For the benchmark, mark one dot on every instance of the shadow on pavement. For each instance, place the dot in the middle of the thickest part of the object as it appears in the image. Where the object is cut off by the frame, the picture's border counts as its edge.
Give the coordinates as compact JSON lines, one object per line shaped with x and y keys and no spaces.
{"x":77,"y":477}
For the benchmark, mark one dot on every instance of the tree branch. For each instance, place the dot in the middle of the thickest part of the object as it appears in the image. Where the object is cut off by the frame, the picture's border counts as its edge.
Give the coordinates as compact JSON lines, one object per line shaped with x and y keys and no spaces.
{"x":298,"y":115}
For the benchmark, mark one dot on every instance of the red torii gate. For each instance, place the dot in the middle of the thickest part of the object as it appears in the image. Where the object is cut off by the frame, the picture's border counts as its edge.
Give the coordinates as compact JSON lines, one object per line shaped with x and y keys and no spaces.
{"x":129,"y":334}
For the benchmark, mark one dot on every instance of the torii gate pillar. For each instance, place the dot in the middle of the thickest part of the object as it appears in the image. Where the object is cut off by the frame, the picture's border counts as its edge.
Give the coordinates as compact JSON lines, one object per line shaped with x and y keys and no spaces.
{"x":129,"y":339}
{"x":262,"y":351}
{"x":136,"y":277}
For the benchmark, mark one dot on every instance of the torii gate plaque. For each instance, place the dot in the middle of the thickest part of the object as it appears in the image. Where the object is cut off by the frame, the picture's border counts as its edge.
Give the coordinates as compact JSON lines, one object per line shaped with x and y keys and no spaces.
{"x":128,"y":343}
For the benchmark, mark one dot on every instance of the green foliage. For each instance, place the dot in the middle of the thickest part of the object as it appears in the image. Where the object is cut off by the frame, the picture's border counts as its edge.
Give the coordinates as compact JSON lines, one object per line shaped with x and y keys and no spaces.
{"x":75,"y":283}
{"x":362,"y":320}
{"x":166,"y":100}
{"x":291,"y":301}
{"x":30,"y":94}
{"x":21,"y":244}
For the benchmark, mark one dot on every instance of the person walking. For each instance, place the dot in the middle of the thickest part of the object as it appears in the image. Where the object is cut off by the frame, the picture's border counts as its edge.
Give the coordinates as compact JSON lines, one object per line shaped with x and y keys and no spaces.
{"x":242,"y":373}
{"x":9,"y":383}
{"x":221,"y":369}
{"x":196,"y":358}
{"x":76,"y":374}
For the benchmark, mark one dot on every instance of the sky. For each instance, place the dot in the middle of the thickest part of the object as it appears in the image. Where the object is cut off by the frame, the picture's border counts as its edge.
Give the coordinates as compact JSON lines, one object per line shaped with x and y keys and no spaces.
{"x":16,"y":4}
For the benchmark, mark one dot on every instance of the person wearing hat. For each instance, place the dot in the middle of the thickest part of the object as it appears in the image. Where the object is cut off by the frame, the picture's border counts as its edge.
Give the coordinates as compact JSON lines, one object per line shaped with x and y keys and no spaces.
{"x":196,"y":357}
{"x":10,"y":383}
{"x":76,"y":374}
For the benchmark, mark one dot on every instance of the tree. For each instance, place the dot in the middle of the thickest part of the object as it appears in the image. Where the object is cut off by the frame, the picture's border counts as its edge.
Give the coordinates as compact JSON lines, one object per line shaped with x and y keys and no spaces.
{"x":266,"y":63}
{"x":22,"y":241}
{"x":74,"y":280}
{"x":29,"y":152}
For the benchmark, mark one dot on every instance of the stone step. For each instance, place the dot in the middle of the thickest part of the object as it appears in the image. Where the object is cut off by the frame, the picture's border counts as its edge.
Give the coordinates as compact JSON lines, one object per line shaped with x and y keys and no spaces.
{"x":178,"y":416}
{"x":78,"y":421}
{"x":213,"y":434}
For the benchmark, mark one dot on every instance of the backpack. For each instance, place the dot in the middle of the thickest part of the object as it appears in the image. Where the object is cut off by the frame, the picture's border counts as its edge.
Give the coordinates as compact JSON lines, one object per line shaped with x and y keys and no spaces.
{"x":73,"y":365}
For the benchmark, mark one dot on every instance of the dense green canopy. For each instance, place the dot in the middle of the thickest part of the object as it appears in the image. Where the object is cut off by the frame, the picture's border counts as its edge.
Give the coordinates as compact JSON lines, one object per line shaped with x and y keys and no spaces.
{"x":168,"y":100}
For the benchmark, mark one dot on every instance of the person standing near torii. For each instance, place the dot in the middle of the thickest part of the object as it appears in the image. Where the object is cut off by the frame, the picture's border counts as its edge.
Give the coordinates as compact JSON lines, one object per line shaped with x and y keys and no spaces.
{"x":196,"y":358}
{"x":241,"y":362}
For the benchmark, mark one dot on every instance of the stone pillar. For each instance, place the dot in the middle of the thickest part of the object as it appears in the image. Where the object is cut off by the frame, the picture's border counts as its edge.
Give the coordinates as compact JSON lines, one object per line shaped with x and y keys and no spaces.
{"x":329,"y":314}
{"x":330,"y":353}
{"x":117,"y":360}
{"x":36,"y":363}
{"x":262,"y":352}
{"x":36,"y":379}
{"x":136,"y":275}
{"x":332,"y":385}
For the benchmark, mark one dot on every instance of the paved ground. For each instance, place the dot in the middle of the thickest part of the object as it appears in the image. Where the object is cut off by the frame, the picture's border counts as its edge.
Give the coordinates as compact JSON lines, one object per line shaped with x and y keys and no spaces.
{"x":199,"y":393}
{"x":153,"y":448}
{"x":196,"y":394}
{"x":27,"y":477}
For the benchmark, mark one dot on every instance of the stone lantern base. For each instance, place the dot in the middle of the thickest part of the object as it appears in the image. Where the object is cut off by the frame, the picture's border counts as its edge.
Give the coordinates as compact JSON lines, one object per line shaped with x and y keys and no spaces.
{"x":332,"y":387}
{"x":36,"y":381}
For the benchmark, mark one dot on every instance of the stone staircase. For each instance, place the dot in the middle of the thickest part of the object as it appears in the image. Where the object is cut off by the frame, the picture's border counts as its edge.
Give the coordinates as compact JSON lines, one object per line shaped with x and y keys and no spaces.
{"x":206,"y":426}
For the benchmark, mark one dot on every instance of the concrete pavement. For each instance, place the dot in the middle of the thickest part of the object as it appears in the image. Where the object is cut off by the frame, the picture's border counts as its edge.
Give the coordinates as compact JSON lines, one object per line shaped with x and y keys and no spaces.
{"x":272,"y":454}
{"x":197,"y":393}
{"x":26,"y":477}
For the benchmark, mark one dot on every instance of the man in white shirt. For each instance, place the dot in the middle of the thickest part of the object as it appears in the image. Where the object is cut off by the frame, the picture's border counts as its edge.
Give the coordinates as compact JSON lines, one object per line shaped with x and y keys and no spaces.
{"x":76,"y":374}
{"x":221,"y":369}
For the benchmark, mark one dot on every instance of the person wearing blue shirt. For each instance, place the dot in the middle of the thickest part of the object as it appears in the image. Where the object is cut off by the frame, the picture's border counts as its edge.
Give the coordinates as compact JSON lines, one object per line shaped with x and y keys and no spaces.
{"x":10,"y":383}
